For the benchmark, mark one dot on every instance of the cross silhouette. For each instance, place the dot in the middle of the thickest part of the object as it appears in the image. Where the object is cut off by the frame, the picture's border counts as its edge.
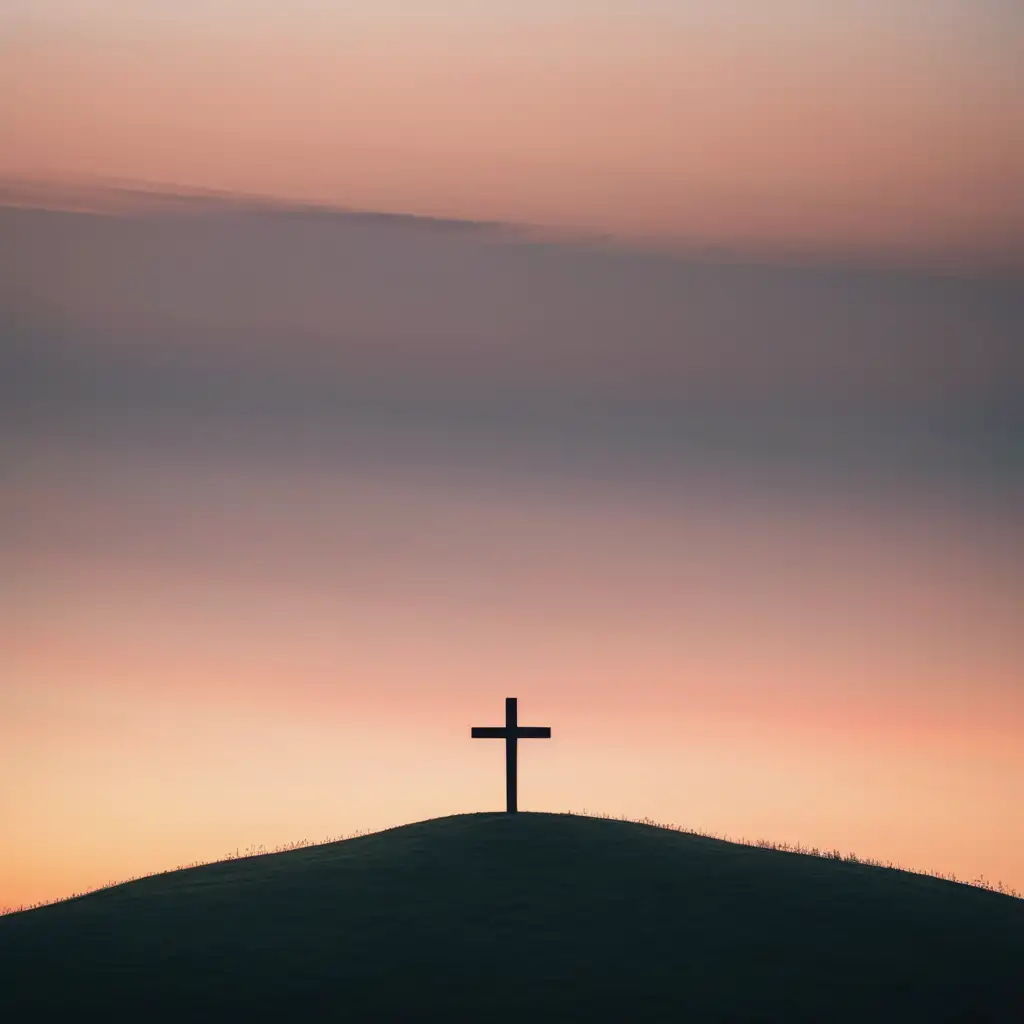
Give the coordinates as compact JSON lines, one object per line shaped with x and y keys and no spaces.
{"x":511,"y":733}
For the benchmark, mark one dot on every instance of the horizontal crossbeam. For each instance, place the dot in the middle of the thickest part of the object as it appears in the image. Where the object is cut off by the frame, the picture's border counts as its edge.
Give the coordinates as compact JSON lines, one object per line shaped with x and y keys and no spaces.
{"x":499,"y":732}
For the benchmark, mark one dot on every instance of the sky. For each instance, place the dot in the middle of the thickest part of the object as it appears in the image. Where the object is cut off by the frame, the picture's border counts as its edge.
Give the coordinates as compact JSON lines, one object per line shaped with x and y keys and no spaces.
{"x":291,"y":499}
{"x":867,"y":126}
{"x":686,"y":409}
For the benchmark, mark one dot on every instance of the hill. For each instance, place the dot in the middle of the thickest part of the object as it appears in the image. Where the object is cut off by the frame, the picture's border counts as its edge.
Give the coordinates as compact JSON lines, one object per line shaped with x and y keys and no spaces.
{"x":533,"y":917}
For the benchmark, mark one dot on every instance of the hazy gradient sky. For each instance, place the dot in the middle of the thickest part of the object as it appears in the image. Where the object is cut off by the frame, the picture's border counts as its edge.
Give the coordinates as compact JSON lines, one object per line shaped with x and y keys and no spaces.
{"x":291,"y":499}
{"x":851,"y":124}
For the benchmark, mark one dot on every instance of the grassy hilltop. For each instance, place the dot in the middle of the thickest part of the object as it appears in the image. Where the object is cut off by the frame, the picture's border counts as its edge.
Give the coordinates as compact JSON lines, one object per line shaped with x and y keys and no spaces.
{"x":488,"y":917}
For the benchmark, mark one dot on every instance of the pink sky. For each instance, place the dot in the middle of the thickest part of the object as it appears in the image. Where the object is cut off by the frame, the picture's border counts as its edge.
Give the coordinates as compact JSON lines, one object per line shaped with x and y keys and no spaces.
{"x":823,"y":127}
{"x":200,"y":658}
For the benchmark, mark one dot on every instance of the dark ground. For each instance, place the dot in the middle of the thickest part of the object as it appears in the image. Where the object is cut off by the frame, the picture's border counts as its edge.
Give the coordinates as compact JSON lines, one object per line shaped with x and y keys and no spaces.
{"x":536,"y":917}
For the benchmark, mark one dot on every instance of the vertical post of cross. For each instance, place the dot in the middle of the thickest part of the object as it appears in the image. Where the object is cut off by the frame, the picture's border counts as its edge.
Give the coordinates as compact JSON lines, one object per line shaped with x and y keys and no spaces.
{"x":511,"y":754}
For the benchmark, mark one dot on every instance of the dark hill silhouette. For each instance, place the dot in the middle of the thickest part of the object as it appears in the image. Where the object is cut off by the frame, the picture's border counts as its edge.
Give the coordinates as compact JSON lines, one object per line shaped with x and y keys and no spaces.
{"x":531,"y":917}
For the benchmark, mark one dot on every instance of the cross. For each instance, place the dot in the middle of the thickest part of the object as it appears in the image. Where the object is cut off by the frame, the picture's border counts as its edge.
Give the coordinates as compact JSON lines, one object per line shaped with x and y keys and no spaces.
{"x":511,"y":733}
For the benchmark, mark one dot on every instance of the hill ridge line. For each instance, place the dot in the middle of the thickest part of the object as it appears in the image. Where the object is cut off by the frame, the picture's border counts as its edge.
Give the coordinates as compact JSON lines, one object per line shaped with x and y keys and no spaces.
{"x":252,"y":851}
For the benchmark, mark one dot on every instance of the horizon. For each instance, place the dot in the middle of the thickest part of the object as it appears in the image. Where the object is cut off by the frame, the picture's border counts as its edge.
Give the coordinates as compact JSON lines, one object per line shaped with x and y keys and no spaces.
{"x":763,"y":843}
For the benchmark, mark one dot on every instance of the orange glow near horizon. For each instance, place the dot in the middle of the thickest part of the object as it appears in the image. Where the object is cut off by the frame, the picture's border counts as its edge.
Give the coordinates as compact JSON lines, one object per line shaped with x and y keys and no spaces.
{"x":164,"y":713}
